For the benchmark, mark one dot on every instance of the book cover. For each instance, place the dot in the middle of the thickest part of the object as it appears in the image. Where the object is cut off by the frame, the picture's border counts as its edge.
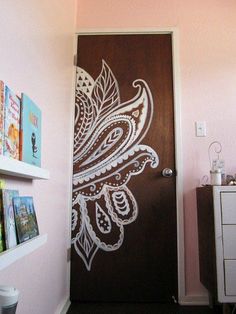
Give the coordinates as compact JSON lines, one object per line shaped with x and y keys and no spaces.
{"x":25,"y":218}
{"x":30,"y":132}
{"x":9,"y":217}
{"x":2,"y":239}
{"x":2,"y":97}
{"x":11,"y":124}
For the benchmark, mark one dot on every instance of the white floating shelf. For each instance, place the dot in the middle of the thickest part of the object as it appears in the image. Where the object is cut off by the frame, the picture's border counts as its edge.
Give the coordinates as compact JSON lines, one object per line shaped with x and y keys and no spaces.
{"x":10,"y":256}
{"x":16,"y":168}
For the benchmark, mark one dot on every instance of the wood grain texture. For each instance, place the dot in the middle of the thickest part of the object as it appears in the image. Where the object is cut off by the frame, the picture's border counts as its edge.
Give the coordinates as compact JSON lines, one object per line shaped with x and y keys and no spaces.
{"x":145,"y":266}
{"x":206,"y":240}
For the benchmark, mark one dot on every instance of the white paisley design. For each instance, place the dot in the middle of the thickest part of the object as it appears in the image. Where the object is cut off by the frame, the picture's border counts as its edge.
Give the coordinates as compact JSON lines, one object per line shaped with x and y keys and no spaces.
{"x":107,"y":153}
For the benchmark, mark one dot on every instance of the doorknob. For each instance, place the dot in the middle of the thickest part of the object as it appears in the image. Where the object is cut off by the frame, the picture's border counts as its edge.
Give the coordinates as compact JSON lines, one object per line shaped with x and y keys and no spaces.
{"x":167,"y":172}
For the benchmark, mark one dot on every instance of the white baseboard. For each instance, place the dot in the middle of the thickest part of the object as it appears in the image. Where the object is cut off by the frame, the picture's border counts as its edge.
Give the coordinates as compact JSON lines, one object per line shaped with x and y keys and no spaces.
{"x":194,"y":300}
{"x":64,"y":307}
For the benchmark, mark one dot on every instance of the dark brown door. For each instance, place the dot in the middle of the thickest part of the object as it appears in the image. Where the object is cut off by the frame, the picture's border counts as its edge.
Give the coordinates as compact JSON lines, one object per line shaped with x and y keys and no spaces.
{"x":124,"y":242}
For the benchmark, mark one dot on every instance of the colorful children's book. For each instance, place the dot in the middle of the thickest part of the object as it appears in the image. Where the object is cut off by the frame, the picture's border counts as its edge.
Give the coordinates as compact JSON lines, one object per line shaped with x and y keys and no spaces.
{"x":30,"y":133}
{"x":2,"y":239}
{"x":2,"y":233}
{"x":2,"y":97}
{"x":11,"y":124}
{"x":9,"y":217}
{"x":25,"y":218}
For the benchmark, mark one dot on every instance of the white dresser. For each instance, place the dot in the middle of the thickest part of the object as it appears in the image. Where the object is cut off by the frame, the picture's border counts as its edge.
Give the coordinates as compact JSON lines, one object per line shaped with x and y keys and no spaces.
{"x":217,"y":241}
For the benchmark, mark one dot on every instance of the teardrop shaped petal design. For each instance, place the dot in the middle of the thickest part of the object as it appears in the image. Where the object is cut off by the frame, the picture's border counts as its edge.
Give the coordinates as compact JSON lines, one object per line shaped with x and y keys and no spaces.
{"x":102,"y":219}
{"x":107,"y":154}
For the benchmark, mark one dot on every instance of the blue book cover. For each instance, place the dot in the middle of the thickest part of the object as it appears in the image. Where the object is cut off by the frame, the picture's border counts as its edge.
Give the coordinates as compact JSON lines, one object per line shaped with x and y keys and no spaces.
{"x":25,"y":218}
{"x":30,"y":132}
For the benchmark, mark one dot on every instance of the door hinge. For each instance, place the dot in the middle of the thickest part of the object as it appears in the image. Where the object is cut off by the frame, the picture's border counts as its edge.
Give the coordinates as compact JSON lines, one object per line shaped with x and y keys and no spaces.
{"x":75,"y":60}
{"x":68,"y":254}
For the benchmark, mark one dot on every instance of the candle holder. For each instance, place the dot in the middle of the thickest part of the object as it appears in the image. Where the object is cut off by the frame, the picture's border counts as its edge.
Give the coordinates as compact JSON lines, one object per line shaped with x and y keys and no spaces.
{"x":217,"y":164}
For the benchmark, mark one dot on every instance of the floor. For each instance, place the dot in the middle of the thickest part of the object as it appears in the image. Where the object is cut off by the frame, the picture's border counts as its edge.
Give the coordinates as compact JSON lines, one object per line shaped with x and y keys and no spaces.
{"x":138,"y":308}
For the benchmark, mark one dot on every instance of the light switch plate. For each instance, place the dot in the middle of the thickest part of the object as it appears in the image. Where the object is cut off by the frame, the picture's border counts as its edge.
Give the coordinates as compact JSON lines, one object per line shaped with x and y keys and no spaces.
{"x":200,"y":128}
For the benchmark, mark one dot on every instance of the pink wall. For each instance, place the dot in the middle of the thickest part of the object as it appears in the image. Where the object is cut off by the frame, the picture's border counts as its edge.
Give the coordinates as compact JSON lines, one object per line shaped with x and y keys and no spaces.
{"x":207,"y":42}
{"x":36,"y":57}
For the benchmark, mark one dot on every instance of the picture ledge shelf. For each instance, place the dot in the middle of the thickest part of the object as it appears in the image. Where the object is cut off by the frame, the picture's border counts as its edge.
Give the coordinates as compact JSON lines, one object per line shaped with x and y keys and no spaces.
{"x":17,"y":168}
{"x":10,"y":256}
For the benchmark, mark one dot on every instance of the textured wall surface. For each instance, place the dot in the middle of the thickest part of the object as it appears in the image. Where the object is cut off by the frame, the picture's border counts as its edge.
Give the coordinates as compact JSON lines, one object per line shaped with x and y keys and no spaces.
{"x":36,"y":57}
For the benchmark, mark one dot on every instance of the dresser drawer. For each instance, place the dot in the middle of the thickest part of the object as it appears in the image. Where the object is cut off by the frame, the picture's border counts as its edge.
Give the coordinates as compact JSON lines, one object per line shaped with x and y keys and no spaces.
{"x":229,"y":241}
{"x":228,"y":207}
{"x":230,"y":278}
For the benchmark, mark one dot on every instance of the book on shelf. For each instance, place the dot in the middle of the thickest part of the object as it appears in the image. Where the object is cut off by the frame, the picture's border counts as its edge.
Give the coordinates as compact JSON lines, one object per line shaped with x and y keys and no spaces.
{"x":30,"y":132}
{"x":11,"y":124}
{"x":2,"y":97}
{"x":2,"y":239}
{"x":9,"y":217}
{"x":25,"y":218}
{"x":2,"y":246}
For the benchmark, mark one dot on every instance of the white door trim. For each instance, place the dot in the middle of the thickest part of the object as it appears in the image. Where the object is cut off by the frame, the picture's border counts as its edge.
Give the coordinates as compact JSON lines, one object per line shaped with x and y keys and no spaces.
{"x":178,"y":136}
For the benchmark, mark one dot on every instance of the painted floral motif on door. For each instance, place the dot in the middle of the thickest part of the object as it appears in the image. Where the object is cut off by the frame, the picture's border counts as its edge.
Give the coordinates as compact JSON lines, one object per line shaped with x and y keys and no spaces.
{"x":107,"y":153}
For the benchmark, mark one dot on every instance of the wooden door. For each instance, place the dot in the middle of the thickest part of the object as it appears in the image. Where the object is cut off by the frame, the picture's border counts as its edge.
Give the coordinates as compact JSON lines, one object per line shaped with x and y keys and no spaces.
{"x":124,"y":243}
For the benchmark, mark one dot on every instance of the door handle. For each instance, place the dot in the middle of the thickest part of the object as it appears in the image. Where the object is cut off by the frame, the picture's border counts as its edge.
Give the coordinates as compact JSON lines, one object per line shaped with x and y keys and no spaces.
{"x":167,"y":172}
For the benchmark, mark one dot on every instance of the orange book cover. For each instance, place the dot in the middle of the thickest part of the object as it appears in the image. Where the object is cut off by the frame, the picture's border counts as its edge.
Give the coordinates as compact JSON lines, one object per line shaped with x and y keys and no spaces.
{"x":11,"y":124}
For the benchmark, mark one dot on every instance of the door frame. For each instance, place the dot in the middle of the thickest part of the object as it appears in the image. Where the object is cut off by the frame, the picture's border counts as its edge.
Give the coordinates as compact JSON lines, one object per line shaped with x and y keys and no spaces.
{"x":173,"y":31}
